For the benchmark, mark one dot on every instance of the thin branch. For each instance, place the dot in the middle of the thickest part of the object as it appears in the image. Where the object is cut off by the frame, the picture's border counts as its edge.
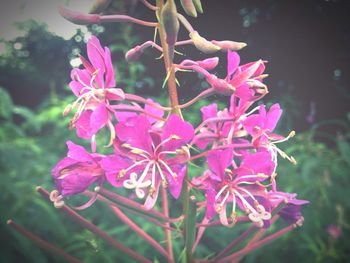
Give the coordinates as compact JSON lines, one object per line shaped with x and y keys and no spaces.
{"x":94,"y":229}
{"x":139,"y":231}
{"x":42,"y":243}
{"x":167,"y":232}
{"x":85,"y":19}
{"x":149,"y":5}
{"x":258,"y":244}
{"x":234,"y":243}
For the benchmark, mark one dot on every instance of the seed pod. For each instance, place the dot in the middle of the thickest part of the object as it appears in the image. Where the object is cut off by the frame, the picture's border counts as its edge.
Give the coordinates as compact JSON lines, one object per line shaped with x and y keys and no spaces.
{"x":98,"y":6}
{"x":202,"y":44}
{"x":170,"y":22}
{"x":198,"y":5}
{"x":229,"y":45}
{"x":189,"y":7}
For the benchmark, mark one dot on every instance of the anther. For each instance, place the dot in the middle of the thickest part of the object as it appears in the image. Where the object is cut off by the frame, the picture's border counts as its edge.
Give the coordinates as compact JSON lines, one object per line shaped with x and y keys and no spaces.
{"x":121,"y":174}
{"x":174,"y":136}
{"x":164,"y":183}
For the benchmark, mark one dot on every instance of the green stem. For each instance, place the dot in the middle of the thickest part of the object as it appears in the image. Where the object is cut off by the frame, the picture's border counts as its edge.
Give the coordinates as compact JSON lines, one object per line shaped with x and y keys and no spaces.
{"x":168,"y":54}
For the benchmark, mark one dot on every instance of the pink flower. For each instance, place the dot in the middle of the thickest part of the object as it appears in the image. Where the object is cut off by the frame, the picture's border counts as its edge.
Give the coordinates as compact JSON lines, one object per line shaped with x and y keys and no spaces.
{"x":261,"y":126}
{"x":76,"y":172}
{"x":237,"y":186}
{"x":147,"y":156}
{"x":291,"y":212}
{"x":247,"y":79}
{"x":95,"y":88}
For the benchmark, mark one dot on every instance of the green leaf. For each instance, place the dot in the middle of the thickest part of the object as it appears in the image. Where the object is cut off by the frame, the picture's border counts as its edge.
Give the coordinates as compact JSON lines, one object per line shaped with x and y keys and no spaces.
{"x":6,"y":104}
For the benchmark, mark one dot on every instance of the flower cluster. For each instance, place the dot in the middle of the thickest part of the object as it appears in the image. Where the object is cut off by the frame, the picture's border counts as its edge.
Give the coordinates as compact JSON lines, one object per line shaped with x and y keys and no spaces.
{"x":153,"y":151}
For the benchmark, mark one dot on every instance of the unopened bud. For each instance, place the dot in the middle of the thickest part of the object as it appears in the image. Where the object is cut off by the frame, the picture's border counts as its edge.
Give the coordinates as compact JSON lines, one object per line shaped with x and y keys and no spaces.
{"x":202,"y":44}
{"x":189,"y":7}
{"x":133,"y":54}
{"x":98,"y":6}
{"x":198,"y":5}
{"x":209,"y":63}
{"x":77,"y":17}
{"x":220,"y":85}
{"x":170,"y":22}
{"x":229,"y":45}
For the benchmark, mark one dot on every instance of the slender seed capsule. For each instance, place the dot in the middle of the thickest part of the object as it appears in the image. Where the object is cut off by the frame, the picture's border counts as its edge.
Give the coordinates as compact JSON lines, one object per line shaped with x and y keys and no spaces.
{"x":189,"y":7}
{"x":170,"y":22}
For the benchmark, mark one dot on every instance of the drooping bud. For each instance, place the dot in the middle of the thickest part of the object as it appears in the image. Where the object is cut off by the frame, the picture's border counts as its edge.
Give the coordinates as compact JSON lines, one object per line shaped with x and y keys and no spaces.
{"x":202,"y":44}
{"x":209,"y":63}
{"x":77,"y":17}
{"x":220,"y":85}
{"x":98,"y":6}
{"x":198,"y":5}
{"x":229,"y":45}
{"x":189,"y":7}
{"x":170,"y":21}
{"x":133,"y":54}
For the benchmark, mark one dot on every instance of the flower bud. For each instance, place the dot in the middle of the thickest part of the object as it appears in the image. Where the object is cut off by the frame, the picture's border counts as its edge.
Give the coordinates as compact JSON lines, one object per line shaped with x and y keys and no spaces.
{"x":220,"y":85}
{"x":98,"y":6}
{"x":189,"y":7}
{"x":170,"y":22}
{"x":198,"y":5}
{"x":77,"y":17}
{"x":229,"y":45}
{"x":133,"y":54}
{"x":202,"y":44}
{"x":209,"y":63}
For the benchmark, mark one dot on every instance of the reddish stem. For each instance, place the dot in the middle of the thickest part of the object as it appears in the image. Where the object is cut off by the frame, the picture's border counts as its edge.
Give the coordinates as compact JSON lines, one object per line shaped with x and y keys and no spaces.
{"x":94,"y":229}
{"x":200,"y":233}
{"x":42,"y":243}
{"x":234,"y":243}
{"x":246,"y":250}
{"x":138,"y":230}
{"x":167,"y":232}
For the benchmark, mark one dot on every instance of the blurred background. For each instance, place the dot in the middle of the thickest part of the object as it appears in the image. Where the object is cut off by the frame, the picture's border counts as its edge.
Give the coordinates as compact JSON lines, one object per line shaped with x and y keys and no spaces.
{"x":306,"y":44}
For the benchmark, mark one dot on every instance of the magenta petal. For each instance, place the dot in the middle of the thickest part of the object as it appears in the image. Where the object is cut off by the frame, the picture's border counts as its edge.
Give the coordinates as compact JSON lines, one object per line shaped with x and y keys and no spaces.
{"x":182,"y":129}
{"x":78,"y":152}
{"x":83,"y":76}
{"x":135,"y":131}
{"x":241,"y":77}
{"x":154,"y":111}
{"x":99,"y":118}
{"x":210,"y":196}
{"x":112,"y":165}
{"x":273,"y":116}
{"x":209,"y":111}
{"x":219,"y":160}
{"x":75,"y":183}
{"x":96,"y":57}
{"x":115,"y":94}
{"x":233,"y":61}
{"x":175,"y":185}
{"x":260,"y":162}
{"x":83,"y":125}
{"x":110,"y":80}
